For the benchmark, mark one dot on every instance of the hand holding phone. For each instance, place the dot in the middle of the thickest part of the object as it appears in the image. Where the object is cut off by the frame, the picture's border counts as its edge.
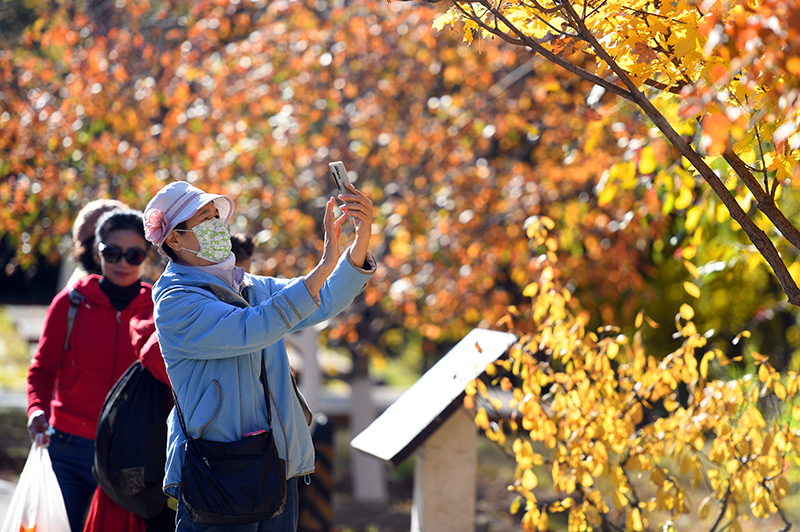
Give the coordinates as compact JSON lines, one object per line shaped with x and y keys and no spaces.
{"x":358,"y":208}
{"x":340,"y":176}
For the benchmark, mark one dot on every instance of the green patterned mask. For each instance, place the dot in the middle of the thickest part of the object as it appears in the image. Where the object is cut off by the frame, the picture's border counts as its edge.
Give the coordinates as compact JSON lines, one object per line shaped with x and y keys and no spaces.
{"x":214,"y":239}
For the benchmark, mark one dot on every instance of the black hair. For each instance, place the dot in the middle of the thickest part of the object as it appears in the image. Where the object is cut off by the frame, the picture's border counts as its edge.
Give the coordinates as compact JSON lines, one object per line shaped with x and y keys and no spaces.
{"x":84,"y":253}
{"x":243,"y":246}
{"x":171,"y":253}
{"x":117,"y":220}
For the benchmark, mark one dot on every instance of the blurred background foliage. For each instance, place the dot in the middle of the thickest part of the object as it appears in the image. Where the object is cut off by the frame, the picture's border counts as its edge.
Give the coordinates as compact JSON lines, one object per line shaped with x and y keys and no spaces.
{"x":461,"y":148}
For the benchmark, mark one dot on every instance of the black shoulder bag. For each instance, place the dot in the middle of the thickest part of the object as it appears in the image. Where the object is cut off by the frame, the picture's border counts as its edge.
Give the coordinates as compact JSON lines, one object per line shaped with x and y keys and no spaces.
{"x":233,"y":483}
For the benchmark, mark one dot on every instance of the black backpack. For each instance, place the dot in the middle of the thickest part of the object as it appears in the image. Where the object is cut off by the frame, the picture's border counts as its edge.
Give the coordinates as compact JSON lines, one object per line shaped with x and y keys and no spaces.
{"x":130,"y":449}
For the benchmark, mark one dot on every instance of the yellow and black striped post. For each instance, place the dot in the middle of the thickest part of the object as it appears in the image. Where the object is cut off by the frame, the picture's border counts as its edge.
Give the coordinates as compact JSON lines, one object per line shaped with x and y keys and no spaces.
{"x":316,"y":514}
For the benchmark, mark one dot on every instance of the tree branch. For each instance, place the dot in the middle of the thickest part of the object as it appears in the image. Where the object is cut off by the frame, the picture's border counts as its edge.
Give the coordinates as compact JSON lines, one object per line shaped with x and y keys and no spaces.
{"x":764,"y":201}
{"x":722,"y":510}
{"x":756,"y":235}
{"x":526,"y":40}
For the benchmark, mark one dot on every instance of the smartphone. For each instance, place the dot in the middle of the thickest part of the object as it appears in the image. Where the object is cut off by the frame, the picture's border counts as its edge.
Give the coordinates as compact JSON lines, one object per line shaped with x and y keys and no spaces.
{"x":340,"y":176}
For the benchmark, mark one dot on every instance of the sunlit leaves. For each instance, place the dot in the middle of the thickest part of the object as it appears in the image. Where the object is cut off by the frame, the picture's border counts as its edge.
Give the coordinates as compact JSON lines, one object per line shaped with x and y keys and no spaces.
{"x":596,"y":413}
{"x":253,"y":98}
{"x":718,"y":80}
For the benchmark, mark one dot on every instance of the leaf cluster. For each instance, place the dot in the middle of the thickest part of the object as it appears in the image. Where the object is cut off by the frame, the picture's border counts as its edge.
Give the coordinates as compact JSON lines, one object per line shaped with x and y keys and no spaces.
{"x":626,"y":439}
{"x":731,"y":67}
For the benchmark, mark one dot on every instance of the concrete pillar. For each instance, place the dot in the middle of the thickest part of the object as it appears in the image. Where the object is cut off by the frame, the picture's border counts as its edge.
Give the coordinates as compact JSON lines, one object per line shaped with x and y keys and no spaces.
{"x":368,"y":472}
{"x":310,"y":383}
{"x":445,"y":470}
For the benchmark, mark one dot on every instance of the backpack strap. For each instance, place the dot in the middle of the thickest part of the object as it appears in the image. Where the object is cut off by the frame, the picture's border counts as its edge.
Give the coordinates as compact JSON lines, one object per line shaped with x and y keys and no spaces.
{"x":75,"y":300}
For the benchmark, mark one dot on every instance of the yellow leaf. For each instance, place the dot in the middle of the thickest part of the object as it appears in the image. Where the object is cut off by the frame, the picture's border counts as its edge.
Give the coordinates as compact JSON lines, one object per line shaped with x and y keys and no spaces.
{"x":636,"y":520}
{"x":445,"y":18}
{"x":687,"y":312}
{"x":709,"y":356}
{"x":684,"y":198}
{"x":692,"y":269}
{"x":531,"y":290}
{"x":780,"y":390}
{"x":607,"y":194}
{"x":470,"y":388}
{"x":763,"y":373}
{"x":647,"y":160}
{"x":481,"y":419}
{"x":639,"y":319}
{"x":693,"y":217}
{"x":515,"y":505}
{"x":544,"y":522}
{"x":691,"y":289}
{"x":613,"y":350}
{"x":620,"y":501}
{"x":529,"y":480}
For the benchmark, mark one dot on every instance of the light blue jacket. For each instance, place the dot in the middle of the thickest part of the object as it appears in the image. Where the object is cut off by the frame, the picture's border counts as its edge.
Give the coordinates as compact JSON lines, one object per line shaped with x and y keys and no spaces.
{"x":213,"y":348}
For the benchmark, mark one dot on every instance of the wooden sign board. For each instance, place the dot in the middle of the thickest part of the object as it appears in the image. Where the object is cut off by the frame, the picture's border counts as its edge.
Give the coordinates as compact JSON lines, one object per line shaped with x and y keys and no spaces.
{"x":405,"y":425}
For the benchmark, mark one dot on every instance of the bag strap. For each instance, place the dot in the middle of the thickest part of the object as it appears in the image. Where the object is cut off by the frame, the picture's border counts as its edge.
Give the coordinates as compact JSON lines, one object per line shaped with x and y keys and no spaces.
{"x":264,"y":384}
{"x":75,"y":300}
{"x":228,"y":296}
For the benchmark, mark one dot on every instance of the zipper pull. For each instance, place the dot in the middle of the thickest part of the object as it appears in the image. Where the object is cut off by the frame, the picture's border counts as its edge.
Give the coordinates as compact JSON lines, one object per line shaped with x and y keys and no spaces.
{"x":207,"y":464}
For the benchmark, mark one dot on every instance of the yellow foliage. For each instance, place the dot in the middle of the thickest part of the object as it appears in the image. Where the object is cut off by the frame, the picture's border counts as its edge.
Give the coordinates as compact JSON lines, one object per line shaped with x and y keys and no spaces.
{"x":588,"y":420}
{"x":691,"y":289}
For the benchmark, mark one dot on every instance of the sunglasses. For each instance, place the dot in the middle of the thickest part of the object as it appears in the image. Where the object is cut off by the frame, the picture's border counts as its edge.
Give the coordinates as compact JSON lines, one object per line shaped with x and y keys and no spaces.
{"x":113,"y":254}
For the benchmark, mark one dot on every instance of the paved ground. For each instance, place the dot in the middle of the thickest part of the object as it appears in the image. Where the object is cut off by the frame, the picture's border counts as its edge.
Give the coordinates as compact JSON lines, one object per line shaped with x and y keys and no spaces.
{"x":6,"y":492}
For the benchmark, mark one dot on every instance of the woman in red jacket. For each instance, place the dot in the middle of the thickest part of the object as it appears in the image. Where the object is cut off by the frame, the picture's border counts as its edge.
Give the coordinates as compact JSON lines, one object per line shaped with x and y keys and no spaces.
{"x":71,"y":375}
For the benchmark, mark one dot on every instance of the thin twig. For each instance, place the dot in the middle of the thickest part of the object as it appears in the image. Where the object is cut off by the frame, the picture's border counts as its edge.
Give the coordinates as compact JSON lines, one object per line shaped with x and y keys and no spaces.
{"x":722,"y":510}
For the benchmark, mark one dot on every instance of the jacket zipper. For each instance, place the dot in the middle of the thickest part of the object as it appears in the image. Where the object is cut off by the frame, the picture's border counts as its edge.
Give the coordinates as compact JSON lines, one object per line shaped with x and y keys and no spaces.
{"x":116,"y":347}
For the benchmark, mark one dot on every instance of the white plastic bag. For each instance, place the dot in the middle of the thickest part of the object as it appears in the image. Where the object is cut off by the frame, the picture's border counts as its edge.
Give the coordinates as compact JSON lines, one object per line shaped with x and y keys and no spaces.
{"x":37,"y":504}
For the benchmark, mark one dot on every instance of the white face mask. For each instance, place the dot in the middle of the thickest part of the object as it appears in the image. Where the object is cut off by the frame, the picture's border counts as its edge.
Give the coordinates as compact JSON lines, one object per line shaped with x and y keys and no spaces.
{"x":214,"y":239}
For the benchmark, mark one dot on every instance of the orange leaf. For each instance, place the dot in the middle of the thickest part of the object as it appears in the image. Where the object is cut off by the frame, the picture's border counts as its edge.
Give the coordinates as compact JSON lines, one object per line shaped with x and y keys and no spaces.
{"x":715,"y":129}
{"x":718,"y":72}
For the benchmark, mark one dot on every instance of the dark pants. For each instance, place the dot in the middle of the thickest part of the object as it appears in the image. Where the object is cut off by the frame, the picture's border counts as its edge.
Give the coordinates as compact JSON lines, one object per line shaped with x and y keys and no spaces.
{"x":285,"y":522}
{"x":73,"y":457}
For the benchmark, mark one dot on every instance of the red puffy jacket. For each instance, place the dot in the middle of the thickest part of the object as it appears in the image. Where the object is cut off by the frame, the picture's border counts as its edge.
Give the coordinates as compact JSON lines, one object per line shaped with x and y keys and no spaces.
{"x":100,"y":351}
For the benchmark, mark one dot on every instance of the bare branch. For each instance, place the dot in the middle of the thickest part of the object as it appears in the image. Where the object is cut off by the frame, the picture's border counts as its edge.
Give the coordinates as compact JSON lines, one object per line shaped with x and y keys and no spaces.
{"x":725,"y":499}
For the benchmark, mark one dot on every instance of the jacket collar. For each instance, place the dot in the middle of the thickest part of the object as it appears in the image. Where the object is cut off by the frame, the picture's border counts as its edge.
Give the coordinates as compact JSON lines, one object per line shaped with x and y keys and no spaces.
{"x":89,"y":287}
